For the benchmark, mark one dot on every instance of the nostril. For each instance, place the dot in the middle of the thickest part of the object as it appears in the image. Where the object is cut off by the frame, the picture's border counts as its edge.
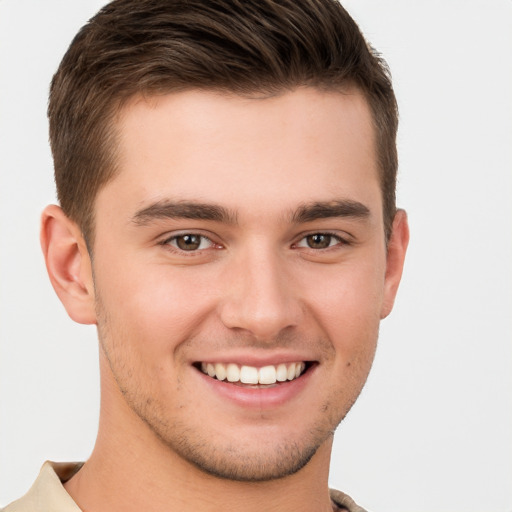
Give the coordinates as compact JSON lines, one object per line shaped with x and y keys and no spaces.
{"x":261,"y":324}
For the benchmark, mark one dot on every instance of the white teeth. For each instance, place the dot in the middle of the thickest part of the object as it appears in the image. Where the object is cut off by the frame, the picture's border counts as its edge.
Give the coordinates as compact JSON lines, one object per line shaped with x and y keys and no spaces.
{"x":281,"y":373}
{"x":210,"y":369}
{"x":267,"y":375}
{"x":220,"y":371}
{"x":251,"y":375}
{"x":233,"y":373}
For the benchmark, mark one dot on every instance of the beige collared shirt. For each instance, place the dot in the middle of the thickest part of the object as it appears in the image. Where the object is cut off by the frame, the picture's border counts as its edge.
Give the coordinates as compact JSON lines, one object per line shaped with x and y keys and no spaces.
{"x":47,"y":494}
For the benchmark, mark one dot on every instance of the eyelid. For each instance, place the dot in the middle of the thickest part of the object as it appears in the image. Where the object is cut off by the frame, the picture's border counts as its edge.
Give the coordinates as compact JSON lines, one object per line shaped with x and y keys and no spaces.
{"x":169,"y":237}
{"x":341,"y":239}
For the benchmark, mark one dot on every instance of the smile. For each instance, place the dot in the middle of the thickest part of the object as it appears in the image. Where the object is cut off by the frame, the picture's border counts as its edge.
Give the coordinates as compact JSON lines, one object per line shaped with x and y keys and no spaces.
{"x":265,"y":375}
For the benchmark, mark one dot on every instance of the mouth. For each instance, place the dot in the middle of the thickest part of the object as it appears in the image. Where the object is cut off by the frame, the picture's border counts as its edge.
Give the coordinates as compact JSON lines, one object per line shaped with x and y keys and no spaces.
{"x":265,"y":376}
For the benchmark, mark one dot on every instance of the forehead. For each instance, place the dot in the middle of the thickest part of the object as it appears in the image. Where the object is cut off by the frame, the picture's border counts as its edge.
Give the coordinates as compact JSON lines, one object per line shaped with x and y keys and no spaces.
{"x":298,"y":146}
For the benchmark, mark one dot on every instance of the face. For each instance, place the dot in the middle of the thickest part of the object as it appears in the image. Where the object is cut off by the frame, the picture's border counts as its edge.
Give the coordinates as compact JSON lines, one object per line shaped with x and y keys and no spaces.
{"x":240,"y":274}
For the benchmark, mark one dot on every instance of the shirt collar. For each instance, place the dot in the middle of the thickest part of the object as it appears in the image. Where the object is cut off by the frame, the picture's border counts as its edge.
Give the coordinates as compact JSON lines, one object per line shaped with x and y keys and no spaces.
{"x":47,"y":492}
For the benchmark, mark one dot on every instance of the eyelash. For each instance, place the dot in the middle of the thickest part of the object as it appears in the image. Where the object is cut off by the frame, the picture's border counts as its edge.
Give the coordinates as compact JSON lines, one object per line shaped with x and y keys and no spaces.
{"x":340,"y":241}
{"x":168,"y":242}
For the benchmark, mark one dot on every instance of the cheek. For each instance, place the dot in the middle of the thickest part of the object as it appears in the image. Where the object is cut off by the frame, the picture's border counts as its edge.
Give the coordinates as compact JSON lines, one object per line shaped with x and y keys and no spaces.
{"x":351,"y":297}
{"x":348,"y":311}
{"x":157,"y":307}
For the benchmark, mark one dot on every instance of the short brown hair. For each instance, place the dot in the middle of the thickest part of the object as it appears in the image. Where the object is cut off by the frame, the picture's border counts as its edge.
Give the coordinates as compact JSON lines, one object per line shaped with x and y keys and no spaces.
{"x":243,"y":46}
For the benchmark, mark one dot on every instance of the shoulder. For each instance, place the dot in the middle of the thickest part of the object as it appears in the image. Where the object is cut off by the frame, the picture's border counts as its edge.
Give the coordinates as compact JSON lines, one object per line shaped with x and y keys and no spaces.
{"x":47,"y":492}
{"x":344,"y":502}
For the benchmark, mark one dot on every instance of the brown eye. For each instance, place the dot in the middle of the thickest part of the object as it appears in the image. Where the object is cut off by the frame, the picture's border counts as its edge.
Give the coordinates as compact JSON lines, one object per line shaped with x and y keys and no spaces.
{"x":319,"y":241}
{"x":190,"y":242}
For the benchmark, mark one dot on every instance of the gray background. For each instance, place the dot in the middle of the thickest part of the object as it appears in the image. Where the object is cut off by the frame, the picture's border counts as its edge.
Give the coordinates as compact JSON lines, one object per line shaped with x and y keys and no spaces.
{"x":432,"y":430}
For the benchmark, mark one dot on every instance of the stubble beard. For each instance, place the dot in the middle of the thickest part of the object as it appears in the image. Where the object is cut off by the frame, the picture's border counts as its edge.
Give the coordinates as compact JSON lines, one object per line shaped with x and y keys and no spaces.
{"x":236,"y":463}
{"x":222,"y":458}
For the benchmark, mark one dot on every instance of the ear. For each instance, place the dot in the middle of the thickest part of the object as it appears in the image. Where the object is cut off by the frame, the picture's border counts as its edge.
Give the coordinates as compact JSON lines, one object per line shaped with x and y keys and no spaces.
{"x":397,"y":247}
{"x":68,"y":264}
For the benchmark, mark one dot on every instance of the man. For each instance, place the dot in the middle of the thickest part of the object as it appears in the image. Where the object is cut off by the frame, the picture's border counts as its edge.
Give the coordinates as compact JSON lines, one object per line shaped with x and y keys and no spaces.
{"x":226,"y":174}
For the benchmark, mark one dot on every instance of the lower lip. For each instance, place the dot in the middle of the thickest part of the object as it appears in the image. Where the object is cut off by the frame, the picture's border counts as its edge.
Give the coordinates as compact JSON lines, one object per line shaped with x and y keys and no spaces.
{"x":259,"y":397}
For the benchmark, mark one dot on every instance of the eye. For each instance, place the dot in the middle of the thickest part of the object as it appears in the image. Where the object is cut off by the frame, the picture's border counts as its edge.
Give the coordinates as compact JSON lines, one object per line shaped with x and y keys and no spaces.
{"x":189,"y":242}
{"x":319,"y":241}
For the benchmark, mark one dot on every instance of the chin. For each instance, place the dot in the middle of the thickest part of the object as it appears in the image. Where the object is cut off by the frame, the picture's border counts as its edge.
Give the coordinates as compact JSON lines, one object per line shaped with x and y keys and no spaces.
{"x":260,"y":463}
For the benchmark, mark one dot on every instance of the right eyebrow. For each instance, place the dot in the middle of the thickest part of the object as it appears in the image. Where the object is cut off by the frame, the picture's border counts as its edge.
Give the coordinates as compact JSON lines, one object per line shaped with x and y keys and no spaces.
{"x":183,"y":210}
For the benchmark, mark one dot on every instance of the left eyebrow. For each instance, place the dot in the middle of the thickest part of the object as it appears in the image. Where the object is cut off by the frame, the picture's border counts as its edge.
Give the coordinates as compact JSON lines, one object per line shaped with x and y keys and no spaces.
{"x":183,"y":210}
{"x":329,"y":209}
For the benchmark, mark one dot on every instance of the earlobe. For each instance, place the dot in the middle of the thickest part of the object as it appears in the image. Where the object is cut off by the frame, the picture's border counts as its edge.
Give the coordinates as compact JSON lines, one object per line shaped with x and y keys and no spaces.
{"x":397,"y":248}
{"x":68,"y":264}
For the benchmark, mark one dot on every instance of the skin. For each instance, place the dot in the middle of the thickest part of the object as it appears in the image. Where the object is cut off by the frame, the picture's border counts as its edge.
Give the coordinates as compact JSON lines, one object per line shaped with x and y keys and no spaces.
{"x":255,"y":289}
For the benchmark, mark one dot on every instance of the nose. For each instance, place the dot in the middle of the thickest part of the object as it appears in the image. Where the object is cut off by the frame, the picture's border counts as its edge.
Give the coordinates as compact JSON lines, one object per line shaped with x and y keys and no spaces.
{"x":259,"y":296}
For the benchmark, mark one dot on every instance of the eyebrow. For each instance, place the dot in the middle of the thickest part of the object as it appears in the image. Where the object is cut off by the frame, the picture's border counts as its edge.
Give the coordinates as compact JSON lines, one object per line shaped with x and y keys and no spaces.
{"x":309,"y":212}
{"x":184,"y":210}
{"x":324,"y":210}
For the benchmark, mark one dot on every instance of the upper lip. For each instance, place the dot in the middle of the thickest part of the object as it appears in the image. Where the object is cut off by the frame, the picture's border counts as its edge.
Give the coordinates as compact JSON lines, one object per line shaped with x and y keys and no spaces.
{"x":256,"y":360}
